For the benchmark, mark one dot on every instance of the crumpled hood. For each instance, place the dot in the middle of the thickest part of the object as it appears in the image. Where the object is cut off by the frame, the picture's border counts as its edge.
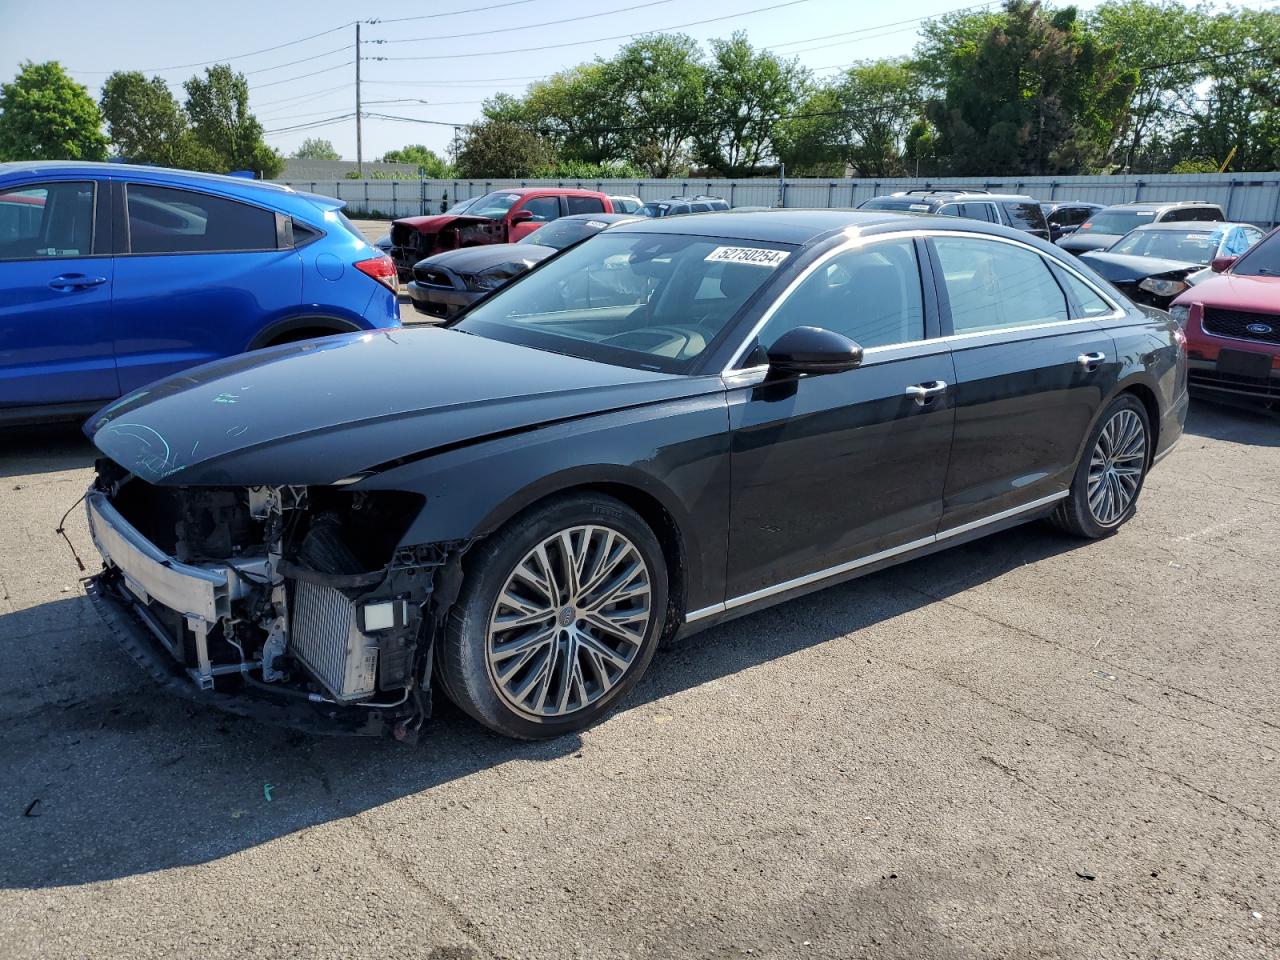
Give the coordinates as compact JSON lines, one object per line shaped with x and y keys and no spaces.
{"x":437,"y":223}
{"x":1122,"y":268}
{"x":518,"y":257}
{"x":321,"y":410}
{"x":1232,"y":291}
{"x":1078,"y":242}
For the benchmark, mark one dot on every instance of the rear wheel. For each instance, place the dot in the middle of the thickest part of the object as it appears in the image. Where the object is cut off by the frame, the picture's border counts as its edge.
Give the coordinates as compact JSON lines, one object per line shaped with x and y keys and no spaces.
{"x":1109,"y":477}
{"x":559,"y":616}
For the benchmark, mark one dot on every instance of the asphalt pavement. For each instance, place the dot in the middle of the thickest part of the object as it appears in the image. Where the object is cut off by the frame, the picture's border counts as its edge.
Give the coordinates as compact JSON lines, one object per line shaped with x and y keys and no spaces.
{"x":1025,"y":747}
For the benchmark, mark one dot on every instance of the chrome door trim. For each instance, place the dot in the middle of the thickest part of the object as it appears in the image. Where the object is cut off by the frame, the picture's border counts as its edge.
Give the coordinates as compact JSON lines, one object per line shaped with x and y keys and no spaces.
{"x":819,"y":575}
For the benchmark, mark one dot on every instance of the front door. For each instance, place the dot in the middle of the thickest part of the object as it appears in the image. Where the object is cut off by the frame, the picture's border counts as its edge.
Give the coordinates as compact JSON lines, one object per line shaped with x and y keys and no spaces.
{"x":530,"y":214}
{"x":55,"y":294}
{"x":830,"y":469}
{"x":1032,"y":368}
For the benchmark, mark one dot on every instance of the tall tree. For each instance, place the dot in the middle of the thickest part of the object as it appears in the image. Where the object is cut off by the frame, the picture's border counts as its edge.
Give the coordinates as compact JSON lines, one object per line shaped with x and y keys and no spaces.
{"x":313,"y":148}
{"x":501,"y":150}
{"x":659,"y":81}
{"x":428,"y":161}
{"x":218,"y":105}
{"x":1036,"y":95}
{"x":45,"y":115}
{"x":577,"y":110}
{"x":748,"y":92}
{"x":146,"y":123}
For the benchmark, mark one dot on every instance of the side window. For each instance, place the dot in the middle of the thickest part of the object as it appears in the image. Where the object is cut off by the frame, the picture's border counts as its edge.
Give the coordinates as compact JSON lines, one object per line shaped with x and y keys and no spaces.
{"x":699,"y":208}
{"x":165,"y":220}
{"x":949,"y":210}
{"x":870,"y":295}
{"x":1090,"y":304}
{"x":544,"y":209}
{"x":992,"y":285}
{"x":1025,"y":215}
{"x":46,"y":220}
{"x":586,"y":205}
{"x":980,"y":211}
{"x":1250,"y":236}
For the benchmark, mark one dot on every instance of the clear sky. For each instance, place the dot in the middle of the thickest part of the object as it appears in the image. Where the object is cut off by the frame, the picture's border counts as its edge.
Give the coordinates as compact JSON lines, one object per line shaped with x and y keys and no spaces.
{"x":464,"y":53}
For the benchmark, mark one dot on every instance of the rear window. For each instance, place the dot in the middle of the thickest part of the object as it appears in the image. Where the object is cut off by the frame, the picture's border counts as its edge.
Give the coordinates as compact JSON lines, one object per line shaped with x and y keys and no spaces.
{"x":165,"y":220}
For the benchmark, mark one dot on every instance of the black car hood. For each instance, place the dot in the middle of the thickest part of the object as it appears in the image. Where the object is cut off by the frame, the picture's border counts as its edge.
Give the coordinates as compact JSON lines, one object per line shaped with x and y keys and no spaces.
{"x":1078,"y":242}
{"x":521,"y":256}
{"x":322,"y":410}
{"x":1121,"y":267}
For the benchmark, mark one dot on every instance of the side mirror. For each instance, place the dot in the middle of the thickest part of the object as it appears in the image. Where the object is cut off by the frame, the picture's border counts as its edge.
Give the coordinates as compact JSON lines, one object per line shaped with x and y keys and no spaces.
{"x":1222,"y":264}
{"x":814,"y":351}
{"x":521,"y":216}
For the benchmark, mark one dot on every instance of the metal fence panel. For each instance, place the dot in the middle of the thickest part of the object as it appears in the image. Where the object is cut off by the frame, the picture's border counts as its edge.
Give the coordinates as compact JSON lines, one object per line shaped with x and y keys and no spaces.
{"x":1251,"y":197}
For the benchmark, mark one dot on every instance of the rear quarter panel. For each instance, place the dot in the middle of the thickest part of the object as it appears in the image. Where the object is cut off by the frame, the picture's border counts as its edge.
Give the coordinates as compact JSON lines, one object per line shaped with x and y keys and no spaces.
{"x":1151,"y":351}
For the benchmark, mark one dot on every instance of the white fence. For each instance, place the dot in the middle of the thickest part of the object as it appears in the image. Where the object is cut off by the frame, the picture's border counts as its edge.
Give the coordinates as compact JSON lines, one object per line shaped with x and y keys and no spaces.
{"x":1250,"y":197}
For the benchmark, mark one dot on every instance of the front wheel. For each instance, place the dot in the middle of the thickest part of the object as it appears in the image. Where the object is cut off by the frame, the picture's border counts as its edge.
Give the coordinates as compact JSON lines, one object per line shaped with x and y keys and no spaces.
{"x":1104,"y":491}
{"x":559,"y":615}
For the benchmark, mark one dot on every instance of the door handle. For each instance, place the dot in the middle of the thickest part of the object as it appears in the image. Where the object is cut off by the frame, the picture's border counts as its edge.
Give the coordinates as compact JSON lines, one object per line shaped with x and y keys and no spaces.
{"x":924,"y":392}
{"x":1090,"y":361}
{"x":75,"y":281}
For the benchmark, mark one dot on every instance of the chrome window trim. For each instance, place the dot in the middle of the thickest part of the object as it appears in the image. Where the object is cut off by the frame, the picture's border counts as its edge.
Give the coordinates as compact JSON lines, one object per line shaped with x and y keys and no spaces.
{"x":1117,"y":312}
{"x":819,"y":575}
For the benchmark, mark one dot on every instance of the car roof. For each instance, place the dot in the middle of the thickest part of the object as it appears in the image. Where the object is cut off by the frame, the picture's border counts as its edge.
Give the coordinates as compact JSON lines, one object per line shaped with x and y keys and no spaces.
{"x":89,"y":168}
{"x":1191,"y":225}
{"x":949,"y":196}
{"x":599,"y":217}
{"x":1159,"y":204}
{"x":558,"y":191}
{"x":1057,"y":204}
{"x":792,"y":226}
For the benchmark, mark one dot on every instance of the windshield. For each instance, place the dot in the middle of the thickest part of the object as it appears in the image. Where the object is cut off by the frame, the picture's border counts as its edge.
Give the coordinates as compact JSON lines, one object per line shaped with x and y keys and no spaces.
{"x":1262,"y":259}
{"x":1191,"y":246}
{"x":463,"y":205}
{"x":561,"y":233}
{"x":494,"y":205}
{"x":654,"y":301}
{"x":1117,"y":221}
{"x":655,"y":209}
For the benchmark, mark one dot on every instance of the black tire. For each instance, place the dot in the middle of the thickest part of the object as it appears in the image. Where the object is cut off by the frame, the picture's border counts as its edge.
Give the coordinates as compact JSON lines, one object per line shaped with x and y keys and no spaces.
{"x":463,"y":654}
{"x":1074,"y":514}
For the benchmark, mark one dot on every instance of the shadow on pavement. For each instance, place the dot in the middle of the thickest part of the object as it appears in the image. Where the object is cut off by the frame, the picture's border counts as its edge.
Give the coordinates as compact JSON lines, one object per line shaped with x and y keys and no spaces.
{"x":130,"y":781}
{"x":1234,"y":422}
{"x":47,"y":448}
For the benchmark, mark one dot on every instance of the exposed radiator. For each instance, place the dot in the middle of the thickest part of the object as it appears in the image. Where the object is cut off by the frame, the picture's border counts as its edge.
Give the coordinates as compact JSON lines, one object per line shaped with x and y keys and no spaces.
{"x":325,"y":637}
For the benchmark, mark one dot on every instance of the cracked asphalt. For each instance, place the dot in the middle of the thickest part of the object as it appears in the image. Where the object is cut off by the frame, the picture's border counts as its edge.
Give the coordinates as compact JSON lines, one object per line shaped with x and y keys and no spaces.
{"x":1024,"y":747}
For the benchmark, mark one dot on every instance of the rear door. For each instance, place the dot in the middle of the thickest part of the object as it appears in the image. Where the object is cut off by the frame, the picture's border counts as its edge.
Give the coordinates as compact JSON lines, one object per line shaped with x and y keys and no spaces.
{"x":200,"y":276}
{"x":1026,"y":215}
{"x":56,"y":275}
{"x":829,"y":470}
{"x":1032,"y":368}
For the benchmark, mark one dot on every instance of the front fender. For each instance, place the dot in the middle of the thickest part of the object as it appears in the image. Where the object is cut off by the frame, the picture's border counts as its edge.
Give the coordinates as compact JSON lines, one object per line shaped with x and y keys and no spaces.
{"x":675,"y":452}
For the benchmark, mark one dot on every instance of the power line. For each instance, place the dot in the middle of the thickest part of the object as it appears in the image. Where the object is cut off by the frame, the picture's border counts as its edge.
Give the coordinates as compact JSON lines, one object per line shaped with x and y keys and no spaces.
{"x":291,"y":63}
{"x":302,"y":97}
{"x":238,"y":56}
{"x":303,"y":76}
{"x":312,"y":125}
{"x":882,"y":26}
{"x":449,"y":13}
{"x":580,"y":43}
{"x":527,"y":26}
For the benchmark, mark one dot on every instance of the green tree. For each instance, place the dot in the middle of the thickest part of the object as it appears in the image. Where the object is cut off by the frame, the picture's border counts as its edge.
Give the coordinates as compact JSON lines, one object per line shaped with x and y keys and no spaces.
{"x":1036,"y":95}
{"x":313,"y":148}
{"x":747,"y":93}
{"x":427,"y":161}
{"x":500,"y":150}
{"x":577,"y":111}
{"x":218,"y":106}
{"x":145,"y":122}
{"x":45,"y":115}
{"x":659,"y":82}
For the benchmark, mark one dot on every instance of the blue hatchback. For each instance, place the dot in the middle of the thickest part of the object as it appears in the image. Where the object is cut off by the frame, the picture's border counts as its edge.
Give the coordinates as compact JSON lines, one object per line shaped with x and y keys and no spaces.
{"x":112,"y":276}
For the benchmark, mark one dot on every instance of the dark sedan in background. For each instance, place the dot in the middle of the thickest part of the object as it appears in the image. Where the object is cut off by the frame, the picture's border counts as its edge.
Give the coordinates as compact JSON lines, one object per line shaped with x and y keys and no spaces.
{"x":444,"y":284}
{"x":522,"y":503}
{"x":1066,"y":216}
{"x":1154,"y":263}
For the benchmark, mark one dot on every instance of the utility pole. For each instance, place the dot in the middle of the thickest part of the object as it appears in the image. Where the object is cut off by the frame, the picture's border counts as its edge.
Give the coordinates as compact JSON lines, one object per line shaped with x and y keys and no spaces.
{"x":359,"y":144}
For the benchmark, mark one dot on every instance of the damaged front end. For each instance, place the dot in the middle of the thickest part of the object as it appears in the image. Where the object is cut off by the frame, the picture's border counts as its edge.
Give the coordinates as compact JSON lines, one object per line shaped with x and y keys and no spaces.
{"x":296,"y":605}
{"x":416,"y":238}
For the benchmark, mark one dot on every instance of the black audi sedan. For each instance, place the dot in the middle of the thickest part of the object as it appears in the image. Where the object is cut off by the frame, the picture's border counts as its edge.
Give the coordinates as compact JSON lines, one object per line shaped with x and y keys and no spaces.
{"x":671,"y":424}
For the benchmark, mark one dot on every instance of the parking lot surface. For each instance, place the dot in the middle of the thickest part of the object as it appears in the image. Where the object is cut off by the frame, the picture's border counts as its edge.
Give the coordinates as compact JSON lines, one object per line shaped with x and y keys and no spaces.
{"x":1028,"y":746}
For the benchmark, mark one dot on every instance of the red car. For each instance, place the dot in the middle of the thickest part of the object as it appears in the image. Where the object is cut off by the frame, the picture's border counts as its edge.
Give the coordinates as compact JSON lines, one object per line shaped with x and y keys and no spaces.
{"x":503,"y":216}
{"x":1232,"y":322}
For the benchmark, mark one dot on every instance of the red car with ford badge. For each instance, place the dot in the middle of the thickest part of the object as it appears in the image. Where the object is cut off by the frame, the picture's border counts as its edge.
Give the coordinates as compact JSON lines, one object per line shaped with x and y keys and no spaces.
{"x":1232,"y":322}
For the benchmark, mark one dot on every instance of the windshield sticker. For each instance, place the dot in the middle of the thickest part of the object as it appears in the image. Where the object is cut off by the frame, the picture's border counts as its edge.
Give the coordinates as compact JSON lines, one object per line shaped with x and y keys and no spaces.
{"x":924,"y":207}
{"x":596,"y":224}
{"x":752,"y":255}
{"x":513,"y":197}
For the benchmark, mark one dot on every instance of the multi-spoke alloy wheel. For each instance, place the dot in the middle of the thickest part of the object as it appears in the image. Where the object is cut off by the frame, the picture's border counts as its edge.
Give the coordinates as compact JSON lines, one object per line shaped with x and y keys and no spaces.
{"x":558,"y":615}
{"x":569,"y":621}
{"x":1115,"y":467}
